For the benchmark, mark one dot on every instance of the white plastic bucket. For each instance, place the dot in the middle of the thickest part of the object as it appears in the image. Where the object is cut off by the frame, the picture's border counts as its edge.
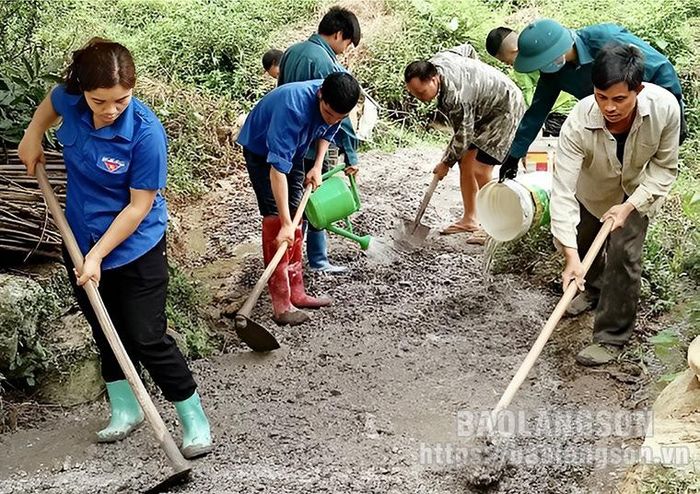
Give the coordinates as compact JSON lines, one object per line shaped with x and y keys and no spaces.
{"x":508,"y":210}
{"x":368,"y":119}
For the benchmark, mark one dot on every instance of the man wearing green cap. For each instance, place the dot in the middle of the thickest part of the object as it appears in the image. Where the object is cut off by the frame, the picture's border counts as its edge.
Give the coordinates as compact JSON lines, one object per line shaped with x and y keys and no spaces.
{"x":564,"y":58}
{"x":502,"y":44}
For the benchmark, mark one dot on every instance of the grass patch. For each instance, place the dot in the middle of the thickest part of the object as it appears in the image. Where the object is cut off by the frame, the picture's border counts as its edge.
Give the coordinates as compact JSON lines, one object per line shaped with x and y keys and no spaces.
{"x":667,"y":481}
{"x":184,"y":304}
{"x":200,"y":128}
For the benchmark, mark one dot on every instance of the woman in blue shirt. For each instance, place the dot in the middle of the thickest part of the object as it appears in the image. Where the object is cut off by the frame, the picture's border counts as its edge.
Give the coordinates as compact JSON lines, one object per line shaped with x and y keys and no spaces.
{"x":115,"y":151}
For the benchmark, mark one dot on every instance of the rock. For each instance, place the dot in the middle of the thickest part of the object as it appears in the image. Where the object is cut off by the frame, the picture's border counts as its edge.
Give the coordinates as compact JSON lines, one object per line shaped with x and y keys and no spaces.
{"x":79,"y":383}
{"x":35,"y":334}
{"x":75,"y":378}
{"x":21,"y":300}
{"x":694,"y":357}
{"x":675,"y":436}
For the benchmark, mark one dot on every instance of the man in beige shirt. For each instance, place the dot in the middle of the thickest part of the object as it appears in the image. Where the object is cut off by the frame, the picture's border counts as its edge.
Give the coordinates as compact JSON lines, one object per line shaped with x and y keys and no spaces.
{"x":617,"y":158}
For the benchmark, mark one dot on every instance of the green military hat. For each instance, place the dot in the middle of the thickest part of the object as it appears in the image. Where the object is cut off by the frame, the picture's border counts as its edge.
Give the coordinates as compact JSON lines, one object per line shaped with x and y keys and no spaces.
{"x":540,"y":43}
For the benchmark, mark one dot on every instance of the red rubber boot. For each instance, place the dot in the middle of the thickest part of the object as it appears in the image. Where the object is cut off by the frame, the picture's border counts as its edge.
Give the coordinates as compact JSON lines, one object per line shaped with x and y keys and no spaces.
{"x":283,"y":310}
{"x":299,"y":297}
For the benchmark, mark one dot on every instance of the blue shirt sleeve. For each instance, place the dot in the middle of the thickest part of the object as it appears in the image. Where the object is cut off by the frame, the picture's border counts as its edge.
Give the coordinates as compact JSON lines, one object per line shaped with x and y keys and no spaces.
{"x":331,"y":132}
{"x":149,"y":161}
{"x":283,"y":138}
{"x":62,"y":102}
{"x":543,"y":100}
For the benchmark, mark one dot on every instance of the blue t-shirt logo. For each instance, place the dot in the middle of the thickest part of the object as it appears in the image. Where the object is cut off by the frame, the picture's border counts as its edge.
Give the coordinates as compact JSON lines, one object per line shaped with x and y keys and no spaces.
{"x":113,"y":165}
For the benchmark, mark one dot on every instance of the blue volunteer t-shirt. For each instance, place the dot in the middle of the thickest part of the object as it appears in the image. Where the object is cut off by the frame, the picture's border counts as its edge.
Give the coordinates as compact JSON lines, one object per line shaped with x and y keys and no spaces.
{"x":285,"y":123}
{"x":102,"y":166}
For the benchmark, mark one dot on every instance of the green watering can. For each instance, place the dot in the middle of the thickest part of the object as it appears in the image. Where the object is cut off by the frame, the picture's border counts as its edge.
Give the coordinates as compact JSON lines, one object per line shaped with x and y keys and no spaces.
{"x":334,"y":201}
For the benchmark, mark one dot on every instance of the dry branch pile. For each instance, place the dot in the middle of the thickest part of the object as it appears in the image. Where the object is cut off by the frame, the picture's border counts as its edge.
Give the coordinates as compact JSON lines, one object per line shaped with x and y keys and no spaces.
{"x":26,"y":227}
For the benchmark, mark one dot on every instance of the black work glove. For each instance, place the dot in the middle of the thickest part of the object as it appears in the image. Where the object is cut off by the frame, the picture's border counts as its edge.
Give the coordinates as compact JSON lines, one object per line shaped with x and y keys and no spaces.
{"x":509,"y":168}
{"x":684,"y":128}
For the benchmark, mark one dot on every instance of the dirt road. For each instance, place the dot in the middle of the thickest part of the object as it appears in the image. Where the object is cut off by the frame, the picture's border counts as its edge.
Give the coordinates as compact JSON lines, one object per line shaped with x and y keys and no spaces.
{"x":361,"y":399}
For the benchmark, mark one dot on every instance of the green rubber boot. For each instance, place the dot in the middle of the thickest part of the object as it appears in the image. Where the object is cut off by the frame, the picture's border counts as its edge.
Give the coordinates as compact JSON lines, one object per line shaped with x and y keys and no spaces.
{"x":126,"y":412}
{"x":196,"y":435}
{"x":598,"y":354}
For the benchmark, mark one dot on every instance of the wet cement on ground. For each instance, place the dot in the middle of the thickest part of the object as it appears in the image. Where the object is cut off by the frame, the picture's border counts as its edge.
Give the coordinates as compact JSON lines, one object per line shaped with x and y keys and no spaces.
{"x":364,"y":398}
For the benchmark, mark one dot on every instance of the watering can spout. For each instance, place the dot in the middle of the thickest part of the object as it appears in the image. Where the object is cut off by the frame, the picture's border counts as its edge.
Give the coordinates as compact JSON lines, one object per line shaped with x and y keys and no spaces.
{"x":364,"y":241}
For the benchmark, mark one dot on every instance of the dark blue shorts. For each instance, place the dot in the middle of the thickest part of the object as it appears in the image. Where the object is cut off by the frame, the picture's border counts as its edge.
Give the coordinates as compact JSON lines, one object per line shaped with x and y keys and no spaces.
{"x":259,"y":173}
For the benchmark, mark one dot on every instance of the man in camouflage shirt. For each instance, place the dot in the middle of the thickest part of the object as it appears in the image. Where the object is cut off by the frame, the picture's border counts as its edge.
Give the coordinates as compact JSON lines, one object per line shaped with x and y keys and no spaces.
{"x":482,"y":105}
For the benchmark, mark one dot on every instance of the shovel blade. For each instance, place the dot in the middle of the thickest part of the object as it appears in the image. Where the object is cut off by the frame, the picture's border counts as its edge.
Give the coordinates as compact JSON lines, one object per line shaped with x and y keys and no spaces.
{"x":409,"y":236}
{"x":415,"y":232}
{"x":255,"y":335}
{"x":174,"y":480}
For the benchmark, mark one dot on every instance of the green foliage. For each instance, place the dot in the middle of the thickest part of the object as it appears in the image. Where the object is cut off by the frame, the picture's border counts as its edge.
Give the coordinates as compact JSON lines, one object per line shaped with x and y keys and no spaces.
{"x":24,"y":76}
{"x":19,"y":20}
{"x":670,"y":351}
{"x":32,"y":358}
{"x":199,"y":133}
{"x":183,"y":308}
{"x":215,"y":44}
{"x":663,"y":24}
{"x":671,"y":250}
{"x":664,"y":342}
{"x":23,"y":85}
{"x":668,"y":481}
{"x":670,"y":246}
{"x":417,"y":30}
{"x":390,"y":135}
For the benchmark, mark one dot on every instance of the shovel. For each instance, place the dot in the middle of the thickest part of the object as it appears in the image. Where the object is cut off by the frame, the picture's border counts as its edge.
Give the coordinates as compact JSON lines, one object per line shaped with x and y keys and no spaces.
{"x":415,"y":230}
{"x":490,"y":467}
{"x":181,"y":467}
{"x":552,"y":322}
{"x":253,"y":334}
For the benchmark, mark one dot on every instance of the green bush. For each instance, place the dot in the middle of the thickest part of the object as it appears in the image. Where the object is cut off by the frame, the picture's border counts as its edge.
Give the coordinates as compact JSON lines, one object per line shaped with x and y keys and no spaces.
{"x":215,"y":44}
{"x":19,"y":21}
{"x":24,"y":83}
{"x":24,"y":75}
{"x":183,"y":308}
{"x":199,"y":130}
{"x":662,"y":24}
{"x":418,"y":30}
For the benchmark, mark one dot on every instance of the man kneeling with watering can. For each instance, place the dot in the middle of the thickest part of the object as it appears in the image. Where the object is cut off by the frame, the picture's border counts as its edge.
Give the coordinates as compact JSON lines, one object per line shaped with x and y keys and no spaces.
{"x":275,"y":138}
{"x":617,"y":159}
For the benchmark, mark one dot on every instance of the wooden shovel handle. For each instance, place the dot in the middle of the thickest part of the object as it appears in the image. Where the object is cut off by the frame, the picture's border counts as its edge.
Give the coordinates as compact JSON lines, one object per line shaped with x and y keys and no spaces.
{"x":552,"y":322}
{"x":426,"y":200}
{"x":163,"y":436}
{"x":260,"y":285}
